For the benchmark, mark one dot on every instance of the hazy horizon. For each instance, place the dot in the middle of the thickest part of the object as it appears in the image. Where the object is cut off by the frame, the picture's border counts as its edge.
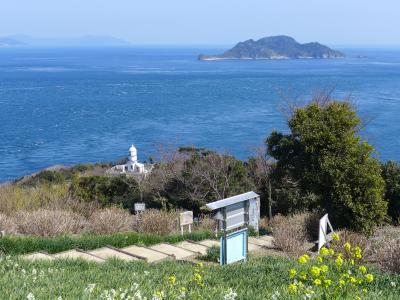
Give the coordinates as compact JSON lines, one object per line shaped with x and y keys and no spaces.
{"x":177,"y":23}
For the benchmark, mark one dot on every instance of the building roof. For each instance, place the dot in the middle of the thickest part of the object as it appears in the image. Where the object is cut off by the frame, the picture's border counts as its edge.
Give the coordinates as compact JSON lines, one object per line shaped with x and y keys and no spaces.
{"x":231,"y":200}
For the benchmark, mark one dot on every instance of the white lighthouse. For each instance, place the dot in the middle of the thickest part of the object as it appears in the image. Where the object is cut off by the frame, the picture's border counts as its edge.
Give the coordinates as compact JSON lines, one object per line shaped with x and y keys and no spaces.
{"x":133,"y":166}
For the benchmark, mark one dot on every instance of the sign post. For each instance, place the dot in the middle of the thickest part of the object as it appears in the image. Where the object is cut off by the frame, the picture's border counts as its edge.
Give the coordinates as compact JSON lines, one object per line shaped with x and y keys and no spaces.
{"x":139,"y":207}
{"x":186,"y":218}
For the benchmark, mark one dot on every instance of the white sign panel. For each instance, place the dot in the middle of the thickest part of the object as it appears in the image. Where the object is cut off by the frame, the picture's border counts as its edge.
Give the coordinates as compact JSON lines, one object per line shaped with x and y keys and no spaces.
{"x":140,"y":207}
{"x":186,"y":218}
{"x":323,"y":235}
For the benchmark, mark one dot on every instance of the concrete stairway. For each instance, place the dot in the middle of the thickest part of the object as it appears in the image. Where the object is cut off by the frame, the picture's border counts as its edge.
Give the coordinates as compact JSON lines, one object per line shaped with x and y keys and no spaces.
{"x":186,"y":250}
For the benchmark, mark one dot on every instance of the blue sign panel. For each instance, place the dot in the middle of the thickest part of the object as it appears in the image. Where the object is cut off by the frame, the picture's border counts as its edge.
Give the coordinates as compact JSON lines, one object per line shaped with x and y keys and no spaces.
{"x":233,"y":247}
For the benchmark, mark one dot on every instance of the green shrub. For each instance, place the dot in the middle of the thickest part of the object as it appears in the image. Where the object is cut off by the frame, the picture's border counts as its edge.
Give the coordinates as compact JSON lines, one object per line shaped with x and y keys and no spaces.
{"x":328,"y":166}
{"x":391,"y":175}
{"x":213,"y":254}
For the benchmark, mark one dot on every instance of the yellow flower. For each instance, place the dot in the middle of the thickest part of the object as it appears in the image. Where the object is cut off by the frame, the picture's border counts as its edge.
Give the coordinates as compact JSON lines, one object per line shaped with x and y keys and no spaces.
{"x":363,"y":269}
{"x":357,"y":252}
{"x":335,"y":237}
{"x":353,"y":279}
{"x":331,"y":251}
{"x":324,"y":251}
{"x":369,"y":278}
{"x":342,"y":282}
{"x":315,"y":271}
{"x":358,"y":298}
{"x":319,"y":259}
{"x":292,"y":288}
{"x":200,"y":265}
{"x":183,"y":289}
{"x":347,"y":246}
{"x":365,"y":291}
{"x":317,"y":281}
{"x":339,"y":261}
{"x":292,"y":273}
{"x":303,"y":259}
{"x":352,"y":262}
{"x":172,"y":279}
{"x":324,"y":268}
{"x":303,"y":277}
{"x":328,"y":282}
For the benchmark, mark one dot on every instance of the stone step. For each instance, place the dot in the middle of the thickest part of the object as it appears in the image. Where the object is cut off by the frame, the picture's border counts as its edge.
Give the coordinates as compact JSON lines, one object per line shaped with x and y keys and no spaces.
{"x":268,"y":238}
{"x":193,"y":246}
{"x":77,"y":254}
{"x":38,"y":256}
{"x":147,"y":254}
{"x":209,"y":243}
{"x":169,"y":249}
{"x":111,"y":252}
{"x":260,"y":242}
{"x":252,"y":247}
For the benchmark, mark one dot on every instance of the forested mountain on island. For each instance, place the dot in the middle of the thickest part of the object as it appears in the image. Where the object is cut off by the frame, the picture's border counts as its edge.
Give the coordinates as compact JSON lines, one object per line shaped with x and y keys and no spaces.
{"x":275,"y":47}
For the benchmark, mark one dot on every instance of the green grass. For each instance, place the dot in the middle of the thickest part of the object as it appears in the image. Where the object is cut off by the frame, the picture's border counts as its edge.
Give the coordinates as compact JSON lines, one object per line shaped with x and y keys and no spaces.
{"x":257,"y":279}
{"x":12,"y":245}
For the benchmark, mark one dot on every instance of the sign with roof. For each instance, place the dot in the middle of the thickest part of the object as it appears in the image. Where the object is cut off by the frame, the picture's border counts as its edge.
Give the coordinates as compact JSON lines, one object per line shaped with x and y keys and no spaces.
{"x":237,"y":211}
{"x":235,"y":214}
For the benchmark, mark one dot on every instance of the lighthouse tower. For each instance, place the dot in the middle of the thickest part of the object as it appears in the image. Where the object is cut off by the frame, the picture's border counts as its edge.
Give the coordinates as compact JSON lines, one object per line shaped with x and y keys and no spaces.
{"x":133,"y":154}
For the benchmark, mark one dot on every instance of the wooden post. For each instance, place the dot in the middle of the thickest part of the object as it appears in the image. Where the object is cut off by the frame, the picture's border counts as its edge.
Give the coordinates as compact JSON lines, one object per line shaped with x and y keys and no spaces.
{"x":269,"y":200}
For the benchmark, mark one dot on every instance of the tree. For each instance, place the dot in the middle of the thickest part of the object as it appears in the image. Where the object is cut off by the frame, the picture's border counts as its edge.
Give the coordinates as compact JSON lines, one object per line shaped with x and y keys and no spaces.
{"x":260,"y":168}
{"x":193,"y":177}
{"x":329,"y":166}
{"x":391,"y":175}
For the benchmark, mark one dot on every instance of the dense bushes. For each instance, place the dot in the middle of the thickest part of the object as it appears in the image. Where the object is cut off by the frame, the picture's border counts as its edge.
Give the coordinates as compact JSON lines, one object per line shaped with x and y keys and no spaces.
{"x":391,"y":175}
{"x":120,"y":190}
{"x":292,"y":233}
{"x":325,"y":165}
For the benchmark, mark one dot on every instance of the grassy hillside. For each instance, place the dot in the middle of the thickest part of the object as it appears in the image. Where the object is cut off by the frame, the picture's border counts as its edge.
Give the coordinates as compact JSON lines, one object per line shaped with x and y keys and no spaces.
{"x":260,"y":278}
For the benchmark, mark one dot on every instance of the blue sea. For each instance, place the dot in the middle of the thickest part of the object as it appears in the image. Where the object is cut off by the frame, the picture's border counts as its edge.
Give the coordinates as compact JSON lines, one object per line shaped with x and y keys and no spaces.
{"x":69,"y":106}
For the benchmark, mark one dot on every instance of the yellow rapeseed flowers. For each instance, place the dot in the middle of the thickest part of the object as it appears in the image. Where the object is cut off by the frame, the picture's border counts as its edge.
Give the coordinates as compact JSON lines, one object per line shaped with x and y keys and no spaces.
{"x":369,"y":278}
{"x":363,"y":269}
{"x":292,"y":273}
{"x":347,"y":247}
{"x":292,"y":288}
{"x":335,"y":237}
{"x":339,"y":261}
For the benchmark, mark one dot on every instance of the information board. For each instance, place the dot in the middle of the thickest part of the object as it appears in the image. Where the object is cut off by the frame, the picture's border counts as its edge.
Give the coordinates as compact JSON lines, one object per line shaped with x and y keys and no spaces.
{"x":186,"y":218}
{"x":233,"y":247}
{"x":139,"y":207}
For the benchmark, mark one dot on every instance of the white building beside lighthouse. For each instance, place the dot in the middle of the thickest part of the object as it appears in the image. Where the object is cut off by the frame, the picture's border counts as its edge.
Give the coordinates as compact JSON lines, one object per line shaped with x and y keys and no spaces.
{"x":133,"y":166}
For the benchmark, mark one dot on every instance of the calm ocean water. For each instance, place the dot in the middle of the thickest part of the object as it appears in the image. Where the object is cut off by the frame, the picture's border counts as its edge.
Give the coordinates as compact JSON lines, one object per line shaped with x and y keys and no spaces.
{"x":67,"y":106}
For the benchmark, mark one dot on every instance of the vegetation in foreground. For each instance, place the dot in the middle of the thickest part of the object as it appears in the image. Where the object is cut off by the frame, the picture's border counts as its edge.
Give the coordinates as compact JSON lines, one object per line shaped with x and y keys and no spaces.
{"x":13,"y":245}
{"x":259,"y":278}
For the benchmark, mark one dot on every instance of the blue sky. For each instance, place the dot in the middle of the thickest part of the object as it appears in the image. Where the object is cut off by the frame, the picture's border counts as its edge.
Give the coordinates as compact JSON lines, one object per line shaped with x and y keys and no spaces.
{"x":209,"y":22}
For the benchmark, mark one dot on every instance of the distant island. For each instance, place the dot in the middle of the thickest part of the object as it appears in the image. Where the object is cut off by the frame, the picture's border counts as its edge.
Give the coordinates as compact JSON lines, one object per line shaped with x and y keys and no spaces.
{"x":80,"y":41}
{"x":276,"y":47}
